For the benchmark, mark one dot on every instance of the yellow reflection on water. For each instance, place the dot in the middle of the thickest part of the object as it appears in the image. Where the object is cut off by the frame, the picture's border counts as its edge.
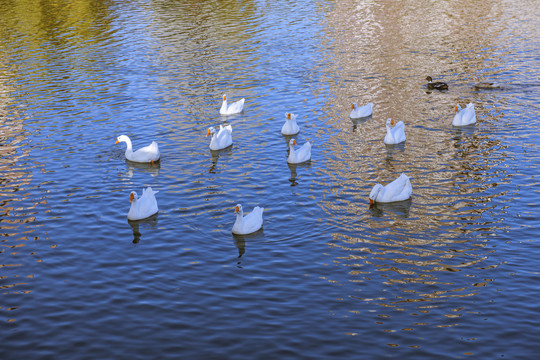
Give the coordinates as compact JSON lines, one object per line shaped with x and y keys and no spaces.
{"x":423,"y":251}
{"x":16,"y":218}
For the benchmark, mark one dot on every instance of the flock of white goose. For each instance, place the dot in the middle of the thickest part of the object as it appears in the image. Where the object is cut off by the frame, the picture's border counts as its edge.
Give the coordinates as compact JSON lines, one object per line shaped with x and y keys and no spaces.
{"x":398,"y":190}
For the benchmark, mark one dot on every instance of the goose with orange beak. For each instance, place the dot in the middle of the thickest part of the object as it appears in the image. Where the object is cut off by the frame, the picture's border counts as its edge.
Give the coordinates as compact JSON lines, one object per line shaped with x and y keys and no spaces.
{"x":398,"y":190}
{"x":220,"y":139}
{"x":395,"y":134}
{"x":290,"y":127}
{"x":464,"y":117}
{"x":301,"y":155}
{"x":361,"y":111}
{"x":233,"y":108}
{"x":147,"y":154}
{"x":247,"y":224}
{"x":142,"y":207}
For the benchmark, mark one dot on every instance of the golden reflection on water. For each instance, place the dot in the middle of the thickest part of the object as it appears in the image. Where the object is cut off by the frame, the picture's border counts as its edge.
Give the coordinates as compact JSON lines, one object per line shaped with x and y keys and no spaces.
{"x":31,"y":28}
{"x":382,"y":54}
{"x":16,"y":228}
{"x":211,"y":39}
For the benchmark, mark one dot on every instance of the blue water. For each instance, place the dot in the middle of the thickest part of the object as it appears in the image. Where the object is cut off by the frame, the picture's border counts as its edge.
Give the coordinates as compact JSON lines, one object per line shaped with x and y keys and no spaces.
{"x":452,"y":273}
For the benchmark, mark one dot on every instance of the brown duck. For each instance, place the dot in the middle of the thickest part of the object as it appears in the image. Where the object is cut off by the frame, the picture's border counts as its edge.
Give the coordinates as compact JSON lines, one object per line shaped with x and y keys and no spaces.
{"x":436,"y":85}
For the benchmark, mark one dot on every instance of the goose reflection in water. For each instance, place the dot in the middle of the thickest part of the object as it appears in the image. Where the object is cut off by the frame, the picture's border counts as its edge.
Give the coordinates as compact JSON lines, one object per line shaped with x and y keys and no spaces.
{"x":215,"y":157}
{"x":135,"y":226}
{"x":393,"y":150}
{"x":152,"y":169}
{"x":294,"y":175}
{"x":240,"y":242}
{"x":288,"y":139}
{"x":359,"y":121}
{"x":400,"y":208}
{"x":460,"y":131}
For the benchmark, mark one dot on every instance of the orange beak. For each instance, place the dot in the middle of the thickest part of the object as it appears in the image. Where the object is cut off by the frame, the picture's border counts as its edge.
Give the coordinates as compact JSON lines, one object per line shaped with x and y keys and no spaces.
{"x":371,"y":202}
{"x":455,"y":108}
{"x":289,"y":116}
{"x":208,"y":132}
{"x":352,"y":106}
{"x":224,"y":97}
{"x":236,"y":210}
{"x":294,"y":142}
{"x":131,"y":197}
{"x":392,"y":122}
{"x":116,"y":141}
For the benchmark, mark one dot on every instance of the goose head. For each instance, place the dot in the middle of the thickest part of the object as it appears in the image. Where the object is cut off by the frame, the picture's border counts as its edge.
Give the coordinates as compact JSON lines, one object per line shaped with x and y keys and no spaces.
{"x":132,"y":196}
{"x":238,"y":209}
{"x":292,"y":142}
{"x":290,"y":116}
{"x":457,"y":108}
{"x":210,"y":131}
{"x":353,"y":106}
{"x":122,"y":138}
{"x":374,"y":192}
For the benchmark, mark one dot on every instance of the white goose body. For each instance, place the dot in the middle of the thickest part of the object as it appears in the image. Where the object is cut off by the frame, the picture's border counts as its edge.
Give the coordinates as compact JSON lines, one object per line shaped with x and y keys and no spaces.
{"x":396,"y":134}
{"x":146,"y":154}
{"x":142,"y":207}
{"x":290,"y":127}
{"x":233,"y":108}
{"x":362,"y":111}
{"x":221,"y":139}
{"x":398,"y":190}
{"x":247,"y":224}
{"x":301,"y":155}
{"x":466,"y":116}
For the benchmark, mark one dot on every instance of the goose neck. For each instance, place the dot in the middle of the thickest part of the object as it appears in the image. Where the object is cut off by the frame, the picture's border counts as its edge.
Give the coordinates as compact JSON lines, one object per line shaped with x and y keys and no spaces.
{"x":129,"y":146}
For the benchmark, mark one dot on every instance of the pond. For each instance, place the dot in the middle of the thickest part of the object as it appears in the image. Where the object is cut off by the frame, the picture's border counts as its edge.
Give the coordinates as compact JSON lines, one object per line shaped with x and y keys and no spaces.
{"x":452,"y":272}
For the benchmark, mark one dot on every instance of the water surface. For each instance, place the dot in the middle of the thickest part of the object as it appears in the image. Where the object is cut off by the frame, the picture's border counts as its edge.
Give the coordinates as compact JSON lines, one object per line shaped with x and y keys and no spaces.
{"x":450,"y":273}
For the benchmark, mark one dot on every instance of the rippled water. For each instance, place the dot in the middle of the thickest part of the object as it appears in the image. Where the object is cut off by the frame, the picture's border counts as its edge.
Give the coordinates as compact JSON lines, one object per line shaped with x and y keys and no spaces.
{"x":451,"y":273}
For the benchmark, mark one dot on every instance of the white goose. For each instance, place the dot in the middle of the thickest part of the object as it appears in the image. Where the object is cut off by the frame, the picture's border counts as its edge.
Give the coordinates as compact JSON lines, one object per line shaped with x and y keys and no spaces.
{"x":362,"y":111}
{"x":247,"y":224}
{"x":301,"y":155}
{"x":396,"y":134}
{"x":233,"y":108}
{"x":398,"y":190}
{"x":146,"y":154}
{"x":142,"y":207}
{"x":221,"y":139}
{"x":290,"y":127}
{"x":465,"y":116}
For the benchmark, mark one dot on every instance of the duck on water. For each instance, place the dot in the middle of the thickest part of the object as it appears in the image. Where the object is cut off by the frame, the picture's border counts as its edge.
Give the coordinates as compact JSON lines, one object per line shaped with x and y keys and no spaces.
{"x":438,"y":85}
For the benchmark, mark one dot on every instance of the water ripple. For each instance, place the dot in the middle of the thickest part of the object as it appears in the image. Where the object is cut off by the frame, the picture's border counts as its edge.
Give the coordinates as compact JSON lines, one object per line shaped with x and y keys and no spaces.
{"x":415,"y":279}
